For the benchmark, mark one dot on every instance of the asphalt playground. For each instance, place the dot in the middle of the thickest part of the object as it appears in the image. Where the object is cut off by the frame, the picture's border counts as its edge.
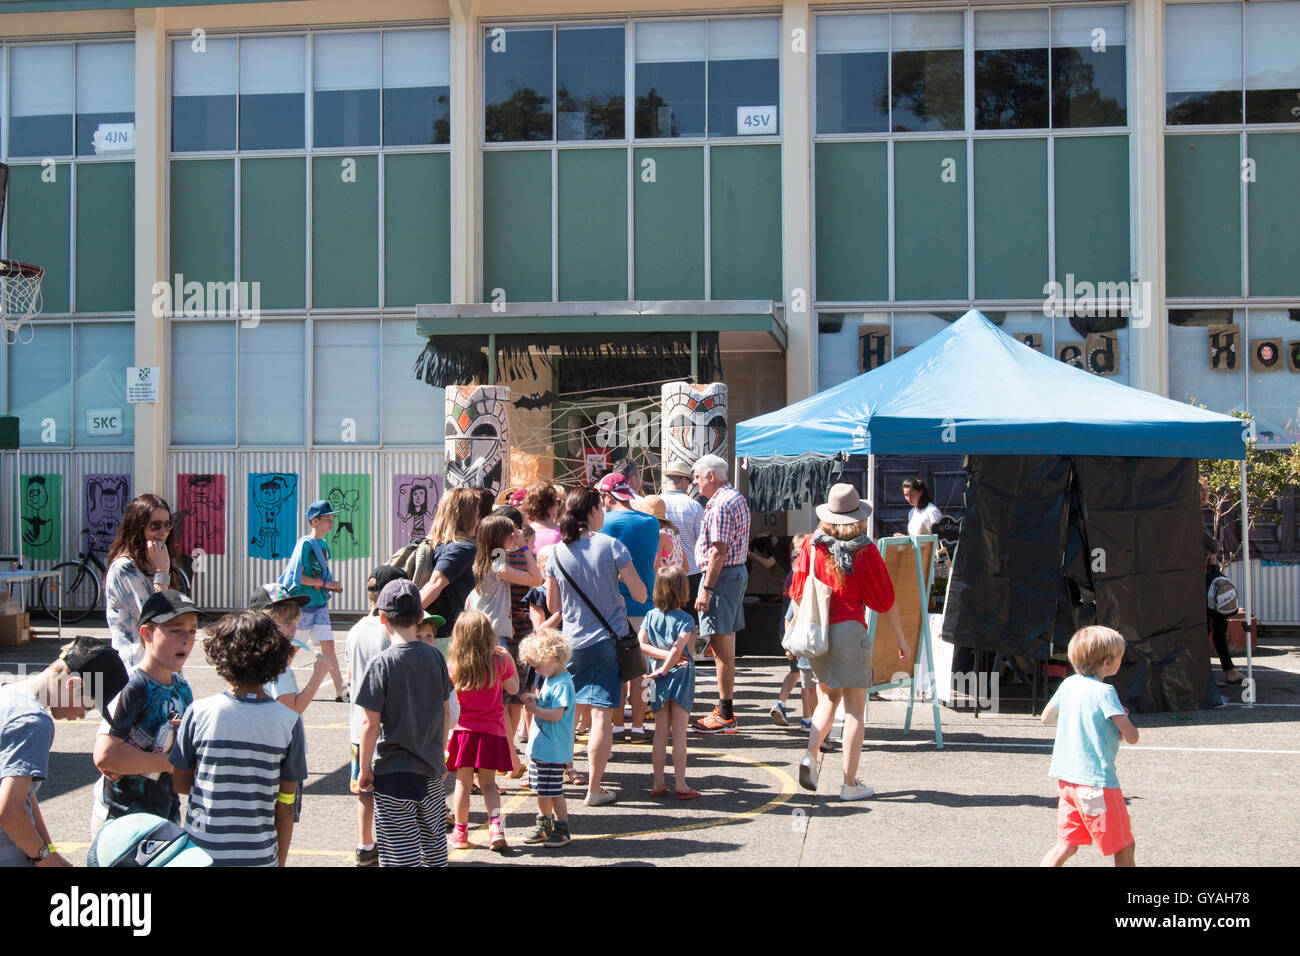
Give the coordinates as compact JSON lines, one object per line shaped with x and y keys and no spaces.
{"x":1205,"y":788}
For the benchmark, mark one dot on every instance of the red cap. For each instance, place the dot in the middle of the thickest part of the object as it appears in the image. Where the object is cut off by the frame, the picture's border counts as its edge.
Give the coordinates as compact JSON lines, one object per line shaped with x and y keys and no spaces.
{"x":517,"y":496}
{"x":616,"y":485}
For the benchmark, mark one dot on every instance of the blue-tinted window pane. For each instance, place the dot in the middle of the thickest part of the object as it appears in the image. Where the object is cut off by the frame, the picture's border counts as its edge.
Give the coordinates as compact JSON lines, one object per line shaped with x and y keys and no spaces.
{"x":40,"y":100}
{"x":105,"y":98}
{"x":412,"y":410}
{"x":1089,"y":76}
{"x":589,"y":82}
{"x":519,"y":76}
{"x":927,"y":72}
{"x":744,"y":74}
{"x":1011,"y":69}
{"x":417,"y":88}
{"x":39,"y":395}
{"x":852,"y":92}
{"x":203,"y":368}
{"x":346,"y":351}
{"x":670,"y":79}
{"x":271,"y":384}
{"x":203,"y":95}
{"x":272,"y":105}
{"x":104,"y":352}
{"x":1273,"y":63}
{"x":346,"y":98}
{"x":1203,"y":63}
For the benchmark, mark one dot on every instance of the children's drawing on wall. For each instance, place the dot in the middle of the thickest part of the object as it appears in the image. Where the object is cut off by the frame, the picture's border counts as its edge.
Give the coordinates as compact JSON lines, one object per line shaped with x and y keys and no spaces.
{"x":105,"y":497}
{"x":349,"y":496}
{"x":272,"y":514}
{"x":42,"y":508}
{"x":202,"y":498}
{"x":415,"y":499}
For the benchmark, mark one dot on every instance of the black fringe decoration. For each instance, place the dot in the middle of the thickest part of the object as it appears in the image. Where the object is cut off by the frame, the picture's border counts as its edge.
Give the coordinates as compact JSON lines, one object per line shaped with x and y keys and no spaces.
{"x":787,"y":484}
{"x":587,"y":363}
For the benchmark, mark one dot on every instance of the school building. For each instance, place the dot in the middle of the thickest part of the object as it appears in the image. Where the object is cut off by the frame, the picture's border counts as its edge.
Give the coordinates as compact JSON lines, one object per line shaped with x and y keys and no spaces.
{"x":286,"y":208}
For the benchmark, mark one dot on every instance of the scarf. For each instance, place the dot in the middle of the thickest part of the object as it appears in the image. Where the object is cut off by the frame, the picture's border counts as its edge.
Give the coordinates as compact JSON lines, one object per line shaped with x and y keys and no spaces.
{"x":842,"y":551}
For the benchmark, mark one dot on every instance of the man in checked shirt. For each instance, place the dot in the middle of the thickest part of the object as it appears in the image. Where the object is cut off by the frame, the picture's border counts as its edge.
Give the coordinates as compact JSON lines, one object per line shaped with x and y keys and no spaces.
{"x":721,"y":551}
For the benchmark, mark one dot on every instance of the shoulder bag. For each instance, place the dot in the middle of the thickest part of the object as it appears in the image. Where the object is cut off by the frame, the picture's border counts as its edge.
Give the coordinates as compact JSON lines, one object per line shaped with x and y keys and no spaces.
{"x":809,"y":632}
{"x":631,"y":662}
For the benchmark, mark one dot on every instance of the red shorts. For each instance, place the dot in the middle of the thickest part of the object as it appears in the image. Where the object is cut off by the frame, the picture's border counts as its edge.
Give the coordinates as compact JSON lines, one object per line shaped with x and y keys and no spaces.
{"x":1082,"y":819}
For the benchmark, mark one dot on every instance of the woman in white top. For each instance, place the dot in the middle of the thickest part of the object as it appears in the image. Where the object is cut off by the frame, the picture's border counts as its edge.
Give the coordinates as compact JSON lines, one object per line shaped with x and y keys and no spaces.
{"x":924,"y":515}
{"x":139,"y":563}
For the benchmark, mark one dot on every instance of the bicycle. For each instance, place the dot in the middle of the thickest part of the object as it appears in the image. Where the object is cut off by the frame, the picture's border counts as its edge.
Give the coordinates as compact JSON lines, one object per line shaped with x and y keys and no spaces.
{"x":82,"y":582}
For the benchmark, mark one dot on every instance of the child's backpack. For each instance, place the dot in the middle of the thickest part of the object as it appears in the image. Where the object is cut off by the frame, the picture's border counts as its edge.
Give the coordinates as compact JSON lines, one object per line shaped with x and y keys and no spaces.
{"x":143,"y":839}
{"x":1222,"y":596}
{"x":416,"y":559}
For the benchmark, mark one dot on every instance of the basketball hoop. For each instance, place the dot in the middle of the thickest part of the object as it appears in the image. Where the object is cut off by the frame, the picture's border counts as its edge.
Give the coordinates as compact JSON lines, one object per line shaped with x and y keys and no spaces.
{"x":20,"y":295}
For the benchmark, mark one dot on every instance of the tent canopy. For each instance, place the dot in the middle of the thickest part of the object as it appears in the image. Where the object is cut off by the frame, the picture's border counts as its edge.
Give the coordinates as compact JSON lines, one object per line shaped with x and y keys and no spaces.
{"x":973,"y":389}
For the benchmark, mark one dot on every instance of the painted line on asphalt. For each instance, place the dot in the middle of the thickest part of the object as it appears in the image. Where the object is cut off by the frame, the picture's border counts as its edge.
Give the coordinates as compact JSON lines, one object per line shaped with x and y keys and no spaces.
{"x":1047,"y":745}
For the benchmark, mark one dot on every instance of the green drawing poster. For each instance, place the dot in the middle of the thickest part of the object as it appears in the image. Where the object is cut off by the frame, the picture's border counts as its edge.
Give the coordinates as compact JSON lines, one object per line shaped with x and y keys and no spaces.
{"x":42,"y":516}
{"x":349,"y":496}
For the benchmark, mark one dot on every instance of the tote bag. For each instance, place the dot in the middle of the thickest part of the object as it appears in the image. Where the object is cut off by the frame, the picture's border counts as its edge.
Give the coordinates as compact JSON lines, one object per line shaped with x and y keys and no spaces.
{"x":809,"y":632}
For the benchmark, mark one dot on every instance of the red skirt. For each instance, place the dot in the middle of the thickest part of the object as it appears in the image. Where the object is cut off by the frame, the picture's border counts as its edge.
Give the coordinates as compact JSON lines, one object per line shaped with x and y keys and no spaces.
{"x":470,"y":748}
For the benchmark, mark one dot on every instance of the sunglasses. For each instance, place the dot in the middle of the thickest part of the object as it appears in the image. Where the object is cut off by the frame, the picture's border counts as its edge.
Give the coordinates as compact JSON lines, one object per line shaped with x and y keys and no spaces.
{"x":160,"y":525}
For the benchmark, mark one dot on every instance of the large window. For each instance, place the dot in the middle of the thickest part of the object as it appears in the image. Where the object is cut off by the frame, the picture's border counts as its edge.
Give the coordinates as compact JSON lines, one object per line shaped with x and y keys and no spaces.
{"x":927,"y":74}
{"x":1226,"y":63}
{"x":67,"y":99}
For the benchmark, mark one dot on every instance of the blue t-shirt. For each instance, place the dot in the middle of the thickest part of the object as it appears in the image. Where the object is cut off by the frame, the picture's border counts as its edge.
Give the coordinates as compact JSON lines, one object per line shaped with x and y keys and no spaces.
{"x":663,"y":628}
{"x":1087,"y":740}
{"x":640,"y":533}
{"x":551,"y":741}
{"x":311,"y":568}
{"x":26,"y":736}
{"x":141,"y":715}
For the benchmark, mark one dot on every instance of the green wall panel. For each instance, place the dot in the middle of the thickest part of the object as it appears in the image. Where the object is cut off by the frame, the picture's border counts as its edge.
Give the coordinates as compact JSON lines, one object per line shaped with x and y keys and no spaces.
{"x":517,"y":224}
{"x":852,"y":247}
{"x":38,"y":218}
{"x":1274,"y":199}
{"x":745,"y":222}
{"x":1203,"y":215}
{"x":273,"y":230}
{"x":1092,"y":209}
{"x":930,"y":220}
{"x":1011,"y":233}
{"x":669,"y":223}
{"x":417,"y":228}
{"x":593,"y":224}
{"x":105,"y":237}
{"x":203,"y":220}
{"x":344,"y":233}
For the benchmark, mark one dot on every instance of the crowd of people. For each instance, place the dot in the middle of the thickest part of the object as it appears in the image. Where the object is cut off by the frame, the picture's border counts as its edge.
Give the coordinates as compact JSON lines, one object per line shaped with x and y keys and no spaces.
{"x":507,"y":623}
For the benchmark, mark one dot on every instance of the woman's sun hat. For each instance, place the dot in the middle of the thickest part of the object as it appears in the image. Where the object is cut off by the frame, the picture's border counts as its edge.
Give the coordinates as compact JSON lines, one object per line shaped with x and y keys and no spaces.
{"x":843,"y":506}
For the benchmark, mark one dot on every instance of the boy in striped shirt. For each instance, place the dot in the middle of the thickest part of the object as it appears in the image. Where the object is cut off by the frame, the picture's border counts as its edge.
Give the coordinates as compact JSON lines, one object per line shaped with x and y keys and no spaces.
{"x":241,"y":755}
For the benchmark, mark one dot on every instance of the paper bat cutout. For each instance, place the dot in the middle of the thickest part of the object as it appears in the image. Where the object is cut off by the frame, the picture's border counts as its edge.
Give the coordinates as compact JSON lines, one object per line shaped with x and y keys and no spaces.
{"x":535,"y":400}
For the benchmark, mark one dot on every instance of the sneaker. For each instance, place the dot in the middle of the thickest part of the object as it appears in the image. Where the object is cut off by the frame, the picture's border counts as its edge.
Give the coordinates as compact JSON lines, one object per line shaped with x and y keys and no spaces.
{"x":856,"y":791}
{"x":638,"y":735}
{"x":805,"y":723}
{"x":497,"y":835}
{"x":808,"y":773}
{"x":542,"y":832}
{"x":618,"y":731}
{"x":367,"y":857}
{"x":460,"y":836}
{"x":828,"y":746}
{"x":714,"y":724}
{"x":779,"y":716}
{"x":560,"y":835}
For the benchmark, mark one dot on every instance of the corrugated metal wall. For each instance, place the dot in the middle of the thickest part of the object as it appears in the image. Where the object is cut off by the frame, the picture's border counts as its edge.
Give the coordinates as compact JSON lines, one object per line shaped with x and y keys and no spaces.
{"x":225,"y":581}
{"x":72,"y":467}
{"x":1275,"y":597}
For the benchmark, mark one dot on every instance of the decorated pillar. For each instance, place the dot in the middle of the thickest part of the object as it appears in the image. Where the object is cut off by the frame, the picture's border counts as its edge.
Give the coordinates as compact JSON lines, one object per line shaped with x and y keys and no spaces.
{"x":475,"y":448}
{"x":693,"y":421}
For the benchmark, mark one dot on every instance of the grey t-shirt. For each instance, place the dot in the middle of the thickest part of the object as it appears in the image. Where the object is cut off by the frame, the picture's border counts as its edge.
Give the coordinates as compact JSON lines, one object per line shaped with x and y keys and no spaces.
{"x":366,"y":641}
{"x":407,"y":685}
{"x":594,"y":564}
{"x":26,"y":736}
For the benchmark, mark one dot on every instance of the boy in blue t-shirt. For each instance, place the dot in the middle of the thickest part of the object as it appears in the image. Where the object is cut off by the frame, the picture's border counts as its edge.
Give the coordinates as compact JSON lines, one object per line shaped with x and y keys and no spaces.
{"x":135,"y":737}
{"x":1088,"y":729}
{"x":550,"y":745}
{"x":308,"y":575}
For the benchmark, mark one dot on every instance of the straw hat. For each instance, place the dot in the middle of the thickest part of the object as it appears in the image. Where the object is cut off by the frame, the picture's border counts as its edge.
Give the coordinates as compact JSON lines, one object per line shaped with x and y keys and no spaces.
{"x":652,"y":505}
{"x":843,"y":506}
{"x":678,"y":469}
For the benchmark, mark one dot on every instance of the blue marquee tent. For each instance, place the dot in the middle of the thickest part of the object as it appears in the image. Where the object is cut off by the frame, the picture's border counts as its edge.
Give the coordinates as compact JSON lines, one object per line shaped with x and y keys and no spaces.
{"x":973,"y":389}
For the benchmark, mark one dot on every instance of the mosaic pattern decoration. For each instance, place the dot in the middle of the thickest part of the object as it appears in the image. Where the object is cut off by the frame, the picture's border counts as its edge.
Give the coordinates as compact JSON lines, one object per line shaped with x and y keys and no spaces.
{"x":693,"y":421}
{"x":477,"y":432}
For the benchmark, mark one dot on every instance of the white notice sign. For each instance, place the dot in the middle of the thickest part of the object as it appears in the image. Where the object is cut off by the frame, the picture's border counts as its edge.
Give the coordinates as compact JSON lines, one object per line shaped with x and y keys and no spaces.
{"x":142,"y":384}
{"x":114,"y":138}
{"x":756,"y":120}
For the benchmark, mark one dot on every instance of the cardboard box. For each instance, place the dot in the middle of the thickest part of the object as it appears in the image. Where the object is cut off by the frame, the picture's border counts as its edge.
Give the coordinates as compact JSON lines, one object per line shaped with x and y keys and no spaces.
{"x":14,"y":629}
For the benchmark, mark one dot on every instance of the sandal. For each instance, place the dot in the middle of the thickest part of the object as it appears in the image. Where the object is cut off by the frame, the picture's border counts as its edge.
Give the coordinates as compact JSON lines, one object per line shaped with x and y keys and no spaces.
{"x":575,"y":778}
{"x":516,"y":774}
{"x":1228,"y":680}
{"x":659,"y":793}
{"x":687,"y":794}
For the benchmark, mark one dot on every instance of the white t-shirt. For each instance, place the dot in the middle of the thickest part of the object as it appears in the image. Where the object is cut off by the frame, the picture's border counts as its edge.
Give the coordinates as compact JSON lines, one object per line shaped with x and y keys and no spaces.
{"x":366,"y":641}
{"x":923,"y":521}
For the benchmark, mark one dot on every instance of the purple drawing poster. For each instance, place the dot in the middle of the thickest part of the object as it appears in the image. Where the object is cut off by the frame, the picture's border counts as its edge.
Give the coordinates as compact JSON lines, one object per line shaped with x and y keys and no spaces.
{"x":415,"y":499}
{"x":106,"y":498}
{"x":203,"y":499}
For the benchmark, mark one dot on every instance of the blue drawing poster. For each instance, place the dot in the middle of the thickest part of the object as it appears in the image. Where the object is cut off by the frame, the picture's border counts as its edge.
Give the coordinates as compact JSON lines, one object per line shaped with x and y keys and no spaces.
{"x":272,"y":515}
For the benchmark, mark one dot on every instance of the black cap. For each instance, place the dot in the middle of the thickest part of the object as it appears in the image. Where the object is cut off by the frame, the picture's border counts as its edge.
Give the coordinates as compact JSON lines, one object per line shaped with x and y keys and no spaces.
{"x":381,"y":575}
{"x":165,"y":605}
{"x":400,"y":597}
{"x":91,"y":657}
{"x":274,"y":593}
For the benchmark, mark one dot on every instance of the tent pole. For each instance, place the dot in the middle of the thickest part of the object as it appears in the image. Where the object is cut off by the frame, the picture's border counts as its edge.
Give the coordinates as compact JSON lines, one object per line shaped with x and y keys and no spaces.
{"x":871,"y":490}
{"x":1248,"y":699}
